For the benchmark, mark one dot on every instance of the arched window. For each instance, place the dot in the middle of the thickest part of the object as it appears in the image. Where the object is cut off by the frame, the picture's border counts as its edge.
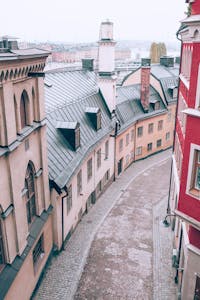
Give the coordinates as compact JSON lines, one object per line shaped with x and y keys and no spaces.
{"x":30,"y":194}
{"x":23,"y":109}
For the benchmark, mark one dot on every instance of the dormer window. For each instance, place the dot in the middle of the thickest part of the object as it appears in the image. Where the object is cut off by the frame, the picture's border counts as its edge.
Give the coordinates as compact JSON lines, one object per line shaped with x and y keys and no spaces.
{"x":155,"y":104}
{"x":94,"y":115}
{"x":71,"y":132}
{"x":173,"y":92}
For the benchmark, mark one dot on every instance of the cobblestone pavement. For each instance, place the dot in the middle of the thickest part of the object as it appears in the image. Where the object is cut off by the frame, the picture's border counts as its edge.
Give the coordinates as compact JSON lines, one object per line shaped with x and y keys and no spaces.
{"x":121,"y":263}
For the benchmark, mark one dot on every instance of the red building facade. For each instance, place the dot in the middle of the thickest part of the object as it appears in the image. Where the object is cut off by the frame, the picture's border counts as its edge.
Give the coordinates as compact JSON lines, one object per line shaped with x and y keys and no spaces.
{"x":185,"y":188}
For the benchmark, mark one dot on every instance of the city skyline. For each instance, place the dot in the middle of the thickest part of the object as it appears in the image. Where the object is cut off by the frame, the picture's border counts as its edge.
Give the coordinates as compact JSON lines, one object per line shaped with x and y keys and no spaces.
{"x":78,"y":21}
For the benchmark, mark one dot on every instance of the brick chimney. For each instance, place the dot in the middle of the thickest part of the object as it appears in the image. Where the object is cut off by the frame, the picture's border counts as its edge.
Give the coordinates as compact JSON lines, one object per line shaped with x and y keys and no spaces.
{"x":145,"y":83}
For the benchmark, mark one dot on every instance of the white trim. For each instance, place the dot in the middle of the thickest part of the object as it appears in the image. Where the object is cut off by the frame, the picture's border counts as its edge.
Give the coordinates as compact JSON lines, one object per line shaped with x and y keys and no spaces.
{"x":176,"y":177}
{"x":192,"y":112}
{"x":185,"y":233}
{"x":188,"y":219}
{"x":185,"y":81}
{"x":193,"y":249}
{"x":193,"y":147}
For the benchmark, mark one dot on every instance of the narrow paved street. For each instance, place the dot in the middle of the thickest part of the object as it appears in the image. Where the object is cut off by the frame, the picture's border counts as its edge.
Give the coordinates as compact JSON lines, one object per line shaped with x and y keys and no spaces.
{"x":129,"y":248}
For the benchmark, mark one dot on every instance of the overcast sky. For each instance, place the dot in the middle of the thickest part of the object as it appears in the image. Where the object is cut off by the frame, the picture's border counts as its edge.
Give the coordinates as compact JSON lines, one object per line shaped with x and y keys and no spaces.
{"x":79,"y":20}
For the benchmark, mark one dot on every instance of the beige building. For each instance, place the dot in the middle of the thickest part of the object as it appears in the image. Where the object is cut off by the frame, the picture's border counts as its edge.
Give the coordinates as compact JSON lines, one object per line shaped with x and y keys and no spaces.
{"x":25,"y":210}
{"x":146,"y":105}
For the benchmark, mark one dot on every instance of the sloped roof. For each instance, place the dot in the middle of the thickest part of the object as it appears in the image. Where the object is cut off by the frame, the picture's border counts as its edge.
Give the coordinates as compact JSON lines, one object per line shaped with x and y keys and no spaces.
{"x":129,"y":108}
{"x":63,"y":161}
{"x":62,"y":87}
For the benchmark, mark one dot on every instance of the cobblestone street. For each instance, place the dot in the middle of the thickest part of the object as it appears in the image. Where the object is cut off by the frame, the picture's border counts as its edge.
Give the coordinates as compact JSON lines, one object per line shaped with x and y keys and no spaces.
{"x":128,"y":250}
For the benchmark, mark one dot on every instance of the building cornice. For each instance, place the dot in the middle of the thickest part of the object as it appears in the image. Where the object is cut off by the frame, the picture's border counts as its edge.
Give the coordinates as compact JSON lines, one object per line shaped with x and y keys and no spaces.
{"x":187,"y":219}
{"x":192,"y":112}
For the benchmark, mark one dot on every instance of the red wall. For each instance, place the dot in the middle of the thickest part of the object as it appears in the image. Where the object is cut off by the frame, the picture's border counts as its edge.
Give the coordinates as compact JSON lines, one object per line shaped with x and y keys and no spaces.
{"x":187,"y":204}
{"x":196,"y":7}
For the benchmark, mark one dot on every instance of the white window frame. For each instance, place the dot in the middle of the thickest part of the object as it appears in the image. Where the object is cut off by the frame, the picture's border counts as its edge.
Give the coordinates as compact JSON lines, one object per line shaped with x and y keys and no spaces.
{"x":193,"y":148}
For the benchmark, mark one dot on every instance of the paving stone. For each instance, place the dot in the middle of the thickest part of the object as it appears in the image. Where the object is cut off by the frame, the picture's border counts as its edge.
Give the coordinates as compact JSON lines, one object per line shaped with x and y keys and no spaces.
{"x":140,"y":242}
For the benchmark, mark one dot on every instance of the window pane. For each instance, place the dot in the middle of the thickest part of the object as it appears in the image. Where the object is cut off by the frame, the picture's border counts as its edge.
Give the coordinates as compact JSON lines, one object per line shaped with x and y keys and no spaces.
{"x":197,"y":184}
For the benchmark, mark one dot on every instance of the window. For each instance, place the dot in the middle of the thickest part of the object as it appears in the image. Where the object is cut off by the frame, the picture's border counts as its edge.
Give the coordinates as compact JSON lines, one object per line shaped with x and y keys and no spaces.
{"x":69,"y":199}
{"x":196,"y":179}
{"x":160,"y":125}
{"x":89,"y":169}
{"x":167,"y":136}
{"x":99,"y":158}
{"x":30,"y":194}
{"x":2,"y":254}
{"x":98,"y":120}
{"x":138,"y":151}
{"x":38,"y":251}
{"x":107,"y":175}
{"x":99,"y":187}
{"x":106,"y":149}
{"x":127,"y":139}
{"x":140,"y":131}
{"x":169,"y":115}
{"x":120,"y":145}
{"x":127,"y":159}
{"x":150,"y":128}
{"x":159,"y":143}
{"x":23,"y":109}
{"x":77,"y":138}
{"x":132,"y":135}
{"x":149,"y":147}
{"x":79,"y":182}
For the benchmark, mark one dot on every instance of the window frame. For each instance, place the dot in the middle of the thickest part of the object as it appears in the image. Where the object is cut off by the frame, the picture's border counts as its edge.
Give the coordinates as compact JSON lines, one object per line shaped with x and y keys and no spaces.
{"x":190,"y":187}
{"x":38,"y":251}
{"x":106,"y":149}
{"x":98,"y":158}
{"x":140,"y":131}
{"x":30,"y":194}
{"x":160,"y":125}
{"x":150,"y":127}
{"x":79,"y":182}
{"x":121,"y":144}
{"x":149,"y":148}
{"x":159,"y":143}
{"x":69,"y":198}
{"x":138,"y":151}
{"x":127,"y":139}
{"x":89,"y":169}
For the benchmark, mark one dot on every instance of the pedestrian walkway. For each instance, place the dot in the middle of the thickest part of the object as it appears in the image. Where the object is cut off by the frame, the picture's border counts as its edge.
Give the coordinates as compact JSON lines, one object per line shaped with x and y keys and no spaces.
{"x":63,"y":274}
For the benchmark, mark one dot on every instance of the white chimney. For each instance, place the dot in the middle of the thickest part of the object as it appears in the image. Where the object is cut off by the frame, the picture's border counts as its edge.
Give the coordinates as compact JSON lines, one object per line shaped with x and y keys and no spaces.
{"x":107,"y":77}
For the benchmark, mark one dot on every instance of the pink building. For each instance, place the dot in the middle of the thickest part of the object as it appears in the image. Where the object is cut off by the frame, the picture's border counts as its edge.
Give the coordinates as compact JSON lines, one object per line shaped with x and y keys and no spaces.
{"x":25,"y":210}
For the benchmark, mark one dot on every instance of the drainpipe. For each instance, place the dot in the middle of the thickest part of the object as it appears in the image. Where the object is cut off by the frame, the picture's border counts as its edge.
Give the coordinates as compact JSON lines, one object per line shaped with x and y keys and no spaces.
{"x":64,"y":194}
{"x":179,"y":255}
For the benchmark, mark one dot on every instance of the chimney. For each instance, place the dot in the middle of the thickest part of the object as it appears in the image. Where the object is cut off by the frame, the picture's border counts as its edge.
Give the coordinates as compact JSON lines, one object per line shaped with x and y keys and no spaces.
{"x":145,"y":83}
{"x":167,"y":61}
{"x":106,"y":76}
{"x":88,"y":64}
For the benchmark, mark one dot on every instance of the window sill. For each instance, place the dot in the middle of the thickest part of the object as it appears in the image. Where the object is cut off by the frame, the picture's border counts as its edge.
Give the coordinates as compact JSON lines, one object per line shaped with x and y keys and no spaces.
{"x":194,"y":192}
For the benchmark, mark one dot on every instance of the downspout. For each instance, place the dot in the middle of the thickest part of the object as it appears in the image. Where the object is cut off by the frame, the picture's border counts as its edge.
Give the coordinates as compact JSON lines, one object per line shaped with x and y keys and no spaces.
{"x":179,"y":255}
{"x":64,"y":194}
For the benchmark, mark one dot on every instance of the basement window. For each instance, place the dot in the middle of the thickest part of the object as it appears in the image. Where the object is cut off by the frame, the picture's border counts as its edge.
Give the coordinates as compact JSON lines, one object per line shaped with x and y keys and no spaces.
{"x":38,"y":252}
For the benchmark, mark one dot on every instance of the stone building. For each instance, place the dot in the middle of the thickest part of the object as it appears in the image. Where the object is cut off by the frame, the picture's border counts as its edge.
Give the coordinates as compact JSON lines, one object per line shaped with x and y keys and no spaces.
{"x":25,"y":210}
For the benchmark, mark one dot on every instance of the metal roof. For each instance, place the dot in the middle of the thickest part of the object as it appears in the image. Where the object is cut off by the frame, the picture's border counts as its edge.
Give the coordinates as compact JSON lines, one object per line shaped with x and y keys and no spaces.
{"x":129,"y":108}
{"x":64,"y":87}
{"x":62,"y":160}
